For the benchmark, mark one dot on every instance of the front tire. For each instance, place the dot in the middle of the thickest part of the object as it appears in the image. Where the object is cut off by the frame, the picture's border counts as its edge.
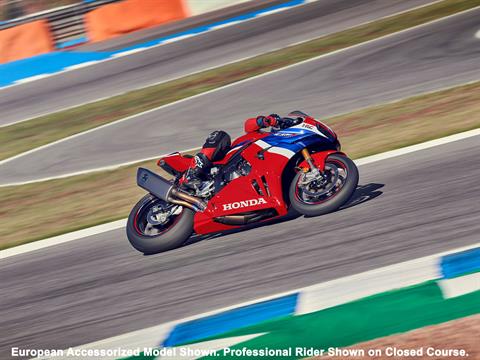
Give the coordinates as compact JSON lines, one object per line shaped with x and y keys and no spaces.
{"x":343,"y":174}
{"x":169,"y":237}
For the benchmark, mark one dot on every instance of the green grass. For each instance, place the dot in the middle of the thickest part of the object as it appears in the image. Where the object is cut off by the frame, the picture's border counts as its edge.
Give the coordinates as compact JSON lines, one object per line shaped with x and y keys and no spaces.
{"x":24,"y":136}
{"x":34,"y":211}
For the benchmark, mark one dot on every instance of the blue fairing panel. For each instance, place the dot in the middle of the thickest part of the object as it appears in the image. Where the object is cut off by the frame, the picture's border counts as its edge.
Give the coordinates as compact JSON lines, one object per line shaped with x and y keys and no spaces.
{"x":295,"y":139}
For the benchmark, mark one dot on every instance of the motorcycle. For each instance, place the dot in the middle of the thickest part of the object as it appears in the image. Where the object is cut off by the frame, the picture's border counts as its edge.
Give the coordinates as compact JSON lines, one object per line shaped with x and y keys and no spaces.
{"x":296,"y":167}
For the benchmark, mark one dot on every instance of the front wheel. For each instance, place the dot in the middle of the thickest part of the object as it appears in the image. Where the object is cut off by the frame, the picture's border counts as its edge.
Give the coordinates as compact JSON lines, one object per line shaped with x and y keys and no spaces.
{"x":155,"y":226}
{"x":314,"y":194}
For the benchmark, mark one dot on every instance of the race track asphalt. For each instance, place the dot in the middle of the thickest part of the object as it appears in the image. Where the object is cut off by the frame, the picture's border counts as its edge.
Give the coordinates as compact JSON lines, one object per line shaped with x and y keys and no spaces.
{"x":440,"y":54}
{"x":97,"y":287}
{"x":191,"y":55}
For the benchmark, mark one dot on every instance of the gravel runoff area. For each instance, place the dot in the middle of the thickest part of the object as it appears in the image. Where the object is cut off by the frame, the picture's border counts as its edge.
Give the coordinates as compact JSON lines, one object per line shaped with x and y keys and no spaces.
{"x":431,"y":342}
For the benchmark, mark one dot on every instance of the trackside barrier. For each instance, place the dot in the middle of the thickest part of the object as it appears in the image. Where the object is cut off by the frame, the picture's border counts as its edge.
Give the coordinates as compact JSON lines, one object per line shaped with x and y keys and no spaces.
{"x":129,"y":15}
{"x":25,"y":40}
{"x":337,"y":313}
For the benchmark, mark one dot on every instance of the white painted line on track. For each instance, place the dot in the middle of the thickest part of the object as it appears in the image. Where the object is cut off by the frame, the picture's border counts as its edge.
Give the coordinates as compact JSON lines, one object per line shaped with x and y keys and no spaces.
{"x":417,"y":147}
{"x":40,"y":244}
{"x":266,"y":13}
{"x":225,"y":25}
{"x":61,"y":239}
{"x":477,"y":34}
{"x":129,"y":52}
{"x":32,"y":78}
{"x":217,"y":66}
{"x":150,"y":337}
{"x":105,"y":168}
{"x":178,"y":38}
{"x":81,"y":65}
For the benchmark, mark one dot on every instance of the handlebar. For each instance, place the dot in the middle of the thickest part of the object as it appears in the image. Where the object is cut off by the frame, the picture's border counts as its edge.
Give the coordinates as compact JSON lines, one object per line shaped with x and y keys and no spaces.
{"x":286,"y":122}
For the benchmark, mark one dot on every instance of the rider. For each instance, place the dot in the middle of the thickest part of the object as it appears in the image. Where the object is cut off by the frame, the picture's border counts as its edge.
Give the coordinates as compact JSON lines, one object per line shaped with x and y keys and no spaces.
{"x":217,"y":145}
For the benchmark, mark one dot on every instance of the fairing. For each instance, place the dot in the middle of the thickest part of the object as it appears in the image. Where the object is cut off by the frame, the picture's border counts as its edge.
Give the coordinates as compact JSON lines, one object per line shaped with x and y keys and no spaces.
{"x":242,"y":189}
{"x":175,"y":163}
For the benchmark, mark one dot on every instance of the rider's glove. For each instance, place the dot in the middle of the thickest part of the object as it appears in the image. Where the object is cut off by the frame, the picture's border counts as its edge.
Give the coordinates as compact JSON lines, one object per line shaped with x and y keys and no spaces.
{"x":262,"y":121}
{"x":270,"y":120}
{"x":265,"y":121}
{"x":273,"y":120}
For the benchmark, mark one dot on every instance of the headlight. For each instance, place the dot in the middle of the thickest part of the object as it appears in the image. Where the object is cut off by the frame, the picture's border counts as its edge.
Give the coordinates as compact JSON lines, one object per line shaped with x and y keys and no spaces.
{"x":326,"y":130}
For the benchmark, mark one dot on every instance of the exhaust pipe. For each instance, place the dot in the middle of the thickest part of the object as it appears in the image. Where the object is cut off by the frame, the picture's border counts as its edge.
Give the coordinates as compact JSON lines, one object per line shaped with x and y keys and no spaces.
{"x":181,"y":197}
{"x":165,"y":190}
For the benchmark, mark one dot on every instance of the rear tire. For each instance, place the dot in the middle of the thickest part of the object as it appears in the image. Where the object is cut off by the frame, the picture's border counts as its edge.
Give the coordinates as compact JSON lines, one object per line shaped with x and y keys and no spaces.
{"x":170,"y":238}
{"x":334,"y":202}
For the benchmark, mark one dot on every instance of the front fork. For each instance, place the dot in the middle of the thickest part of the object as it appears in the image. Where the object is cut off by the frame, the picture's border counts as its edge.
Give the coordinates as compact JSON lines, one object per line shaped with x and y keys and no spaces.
{"x":309,"y":160}
{"x":311,"y":173}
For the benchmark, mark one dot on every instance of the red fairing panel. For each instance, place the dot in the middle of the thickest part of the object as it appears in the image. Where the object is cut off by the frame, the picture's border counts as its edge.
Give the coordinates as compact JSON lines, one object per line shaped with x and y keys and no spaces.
{"x":251,"y":125}
{"x":177,"y":161}
{"x":319,"y":159}
{"x":235,"y":146}
{"x":240,"y":195}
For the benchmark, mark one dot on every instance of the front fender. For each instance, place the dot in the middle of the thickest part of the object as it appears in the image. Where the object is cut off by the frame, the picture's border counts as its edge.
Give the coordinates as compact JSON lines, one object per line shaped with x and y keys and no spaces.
{"x":319,"y":159}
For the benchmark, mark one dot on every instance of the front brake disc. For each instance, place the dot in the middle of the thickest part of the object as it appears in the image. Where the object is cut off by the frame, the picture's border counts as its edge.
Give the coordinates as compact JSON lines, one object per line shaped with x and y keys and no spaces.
{"x":328,"y":188}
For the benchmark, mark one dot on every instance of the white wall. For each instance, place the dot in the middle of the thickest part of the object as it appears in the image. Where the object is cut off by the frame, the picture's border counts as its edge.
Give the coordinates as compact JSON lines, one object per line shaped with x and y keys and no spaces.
{"x":202,"y":6}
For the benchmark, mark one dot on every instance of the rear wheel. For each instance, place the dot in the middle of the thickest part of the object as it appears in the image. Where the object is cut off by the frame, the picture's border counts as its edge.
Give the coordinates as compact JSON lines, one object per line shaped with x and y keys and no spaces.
{"x":155,"y":226}
{"x":316,"y":194}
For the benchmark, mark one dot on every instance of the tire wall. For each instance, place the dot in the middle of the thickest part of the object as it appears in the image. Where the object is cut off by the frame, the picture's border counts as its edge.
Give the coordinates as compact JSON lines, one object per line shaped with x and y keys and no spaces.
{"x":120,"y":18}
{"x":22,"y":41}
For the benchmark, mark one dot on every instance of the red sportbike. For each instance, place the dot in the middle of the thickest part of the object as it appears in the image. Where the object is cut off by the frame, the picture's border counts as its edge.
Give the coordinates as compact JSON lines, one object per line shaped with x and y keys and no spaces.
{"x":262,"y":177}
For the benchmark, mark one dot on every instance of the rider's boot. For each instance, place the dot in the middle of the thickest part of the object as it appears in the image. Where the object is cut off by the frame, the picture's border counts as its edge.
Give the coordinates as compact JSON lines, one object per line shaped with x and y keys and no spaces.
{"x":196,"y":175}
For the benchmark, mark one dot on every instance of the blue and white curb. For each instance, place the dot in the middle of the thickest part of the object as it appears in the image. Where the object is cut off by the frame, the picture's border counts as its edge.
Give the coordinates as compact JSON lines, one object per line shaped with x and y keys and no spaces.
{"x":439,"y":267}
{"x":231,"y":320}
{"x":42,"y":66}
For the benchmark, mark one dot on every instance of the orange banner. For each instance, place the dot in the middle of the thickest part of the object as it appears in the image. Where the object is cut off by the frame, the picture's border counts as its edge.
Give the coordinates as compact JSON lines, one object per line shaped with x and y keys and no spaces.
{"x":126,"y":16}
{"x":25,"y":40}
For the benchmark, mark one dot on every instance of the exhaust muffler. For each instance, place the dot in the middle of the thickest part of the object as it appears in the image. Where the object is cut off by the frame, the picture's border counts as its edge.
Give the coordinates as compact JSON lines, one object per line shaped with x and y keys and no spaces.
{"x":165,"y":190}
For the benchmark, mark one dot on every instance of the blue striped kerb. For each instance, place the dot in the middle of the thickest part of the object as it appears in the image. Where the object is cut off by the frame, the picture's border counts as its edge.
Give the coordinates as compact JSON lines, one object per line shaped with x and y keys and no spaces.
{"x":49,"y":63}
{"x":231,"y":320}
{"x":460,"y":263}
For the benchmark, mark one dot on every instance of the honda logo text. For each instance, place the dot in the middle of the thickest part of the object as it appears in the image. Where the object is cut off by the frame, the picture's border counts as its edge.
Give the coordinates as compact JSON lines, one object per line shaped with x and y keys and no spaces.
{"x":244,"y":203}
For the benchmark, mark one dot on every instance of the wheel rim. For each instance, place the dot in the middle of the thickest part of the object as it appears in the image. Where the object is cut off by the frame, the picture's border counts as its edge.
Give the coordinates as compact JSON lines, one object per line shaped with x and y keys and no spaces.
{"x":144,"y":227}
{"x":317,"y":192}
